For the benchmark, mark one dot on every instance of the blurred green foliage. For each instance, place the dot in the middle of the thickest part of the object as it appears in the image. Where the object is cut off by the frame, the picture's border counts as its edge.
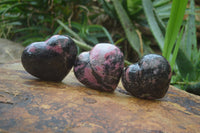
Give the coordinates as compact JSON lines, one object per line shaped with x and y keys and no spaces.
{"x":34,"y":20}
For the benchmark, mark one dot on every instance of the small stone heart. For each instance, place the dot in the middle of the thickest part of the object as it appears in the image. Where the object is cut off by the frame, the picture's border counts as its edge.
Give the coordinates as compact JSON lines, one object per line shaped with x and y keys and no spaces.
{"x":50,"y":60}
{"x":149,"y":78}
{"x":100,"y":68}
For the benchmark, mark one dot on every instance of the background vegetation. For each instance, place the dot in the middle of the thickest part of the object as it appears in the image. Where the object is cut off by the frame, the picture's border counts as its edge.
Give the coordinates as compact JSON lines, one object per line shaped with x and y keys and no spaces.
{"x":137,"y":27}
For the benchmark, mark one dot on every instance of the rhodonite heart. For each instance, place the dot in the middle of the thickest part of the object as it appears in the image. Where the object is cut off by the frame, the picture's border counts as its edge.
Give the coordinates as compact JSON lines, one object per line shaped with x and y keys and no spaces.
{"x":50,"y":60}
{"x":149,"y":78}
{"x":100,"y":68}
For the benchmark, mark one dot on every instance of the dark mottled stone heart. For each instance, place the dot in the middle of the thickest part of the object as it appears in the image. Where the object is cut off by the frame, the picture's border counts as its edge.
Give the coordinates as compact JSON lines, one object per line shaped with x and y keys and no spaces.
{"x":101,"y":68}
{"x":50,"y":60}
{"x":149,"y":78}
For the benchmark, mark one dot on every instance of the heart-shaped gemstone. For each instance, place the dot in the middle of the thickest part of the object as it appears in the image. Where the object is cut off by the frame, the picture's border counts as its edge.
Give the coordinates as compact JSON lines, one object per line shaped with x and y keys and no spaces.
{"x":149,"y":78}
{"x":100,"y":68}
{"x":50,"y":60}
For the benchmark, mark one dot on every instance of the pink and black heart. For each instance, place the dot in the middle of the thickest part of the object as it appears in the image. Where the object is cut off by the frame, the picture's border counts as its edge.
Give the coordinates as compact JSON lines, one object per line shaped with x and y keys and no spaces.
{"x":149,"y":78}
{"x":50,"y":60}
{"x":100,"y":68}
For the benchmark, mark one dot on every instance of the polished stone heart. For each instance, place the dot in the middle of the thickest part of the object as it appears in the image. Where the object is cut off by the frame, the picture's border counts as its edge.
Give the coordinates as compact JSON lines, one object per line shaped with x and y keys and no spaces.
{"x":149,"y":78}
{"x":100,"y":68}
{"x":50,"y":60}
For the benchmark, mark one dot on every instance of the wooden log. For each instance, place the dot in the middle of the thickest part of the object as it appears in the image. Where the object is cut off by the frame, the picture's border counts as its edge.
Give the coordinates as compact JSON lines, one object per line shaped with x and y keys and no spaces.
{"x":31,"y":105}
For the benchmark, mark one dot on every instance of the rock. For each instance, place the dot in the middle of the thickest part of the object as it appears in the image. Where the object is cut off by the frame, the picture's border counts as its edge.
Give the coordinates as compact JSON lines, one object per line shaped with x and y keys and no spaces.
{"x":101,"y":68}
{"x":149,"y":78}
{"x":50,"y":60}
{"x":31,"y":105}
{"x":9,"y":51}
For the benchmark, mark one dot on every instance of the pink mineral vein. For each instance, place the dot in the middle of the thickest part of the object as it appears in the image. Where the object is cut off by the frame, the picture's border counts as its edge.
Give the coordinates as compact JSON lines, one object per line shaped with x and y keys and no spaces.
{"x":56,"y":48}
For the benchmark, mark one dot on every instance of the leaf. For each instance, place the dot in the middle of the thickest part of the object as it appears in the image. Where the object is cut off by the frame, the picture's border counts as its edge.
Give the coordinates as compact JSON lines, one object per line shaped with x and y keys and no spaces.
{"x":176,"y":49}
{"x":174,"y":24}
{"x":160,"y":22}
{"x":185,"y":66}
{"x":134,"y":6}
{"x":31,"y":29}
{"x":92,"y":39}
{"x":106,"y":33}
{"x":58,"y":30}
{"x":190,"y":43}
{"x":69,"y":30}
{"x":158,"y":3}
{"x":127,"y":26}
{"x":13,"y":6}
{"x":31,"y":40}
{"x":189,"y":48}
{"x":197,"y":68}
{"x":164,"y":11}
{"x":148,"y":9}
{"x":108,"y":8}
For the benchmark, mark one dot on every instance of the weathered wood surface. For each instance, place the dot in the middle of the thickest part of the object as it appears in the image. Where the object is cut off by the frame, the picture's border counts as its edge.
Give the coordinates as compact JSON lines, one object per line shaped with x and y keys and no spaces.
{"x":31,"y":105}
